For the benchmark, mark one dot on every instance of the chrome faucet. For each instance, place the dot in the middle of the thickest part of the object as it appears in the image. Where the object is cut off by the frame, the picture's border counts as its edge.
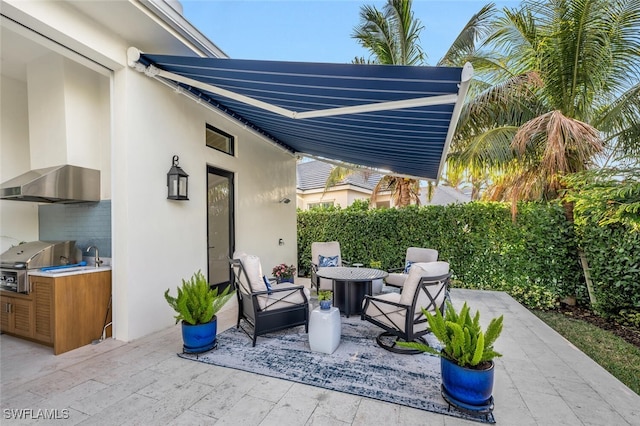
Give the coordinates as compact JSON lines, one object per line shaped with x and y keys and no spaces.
{"x":98,"y":261}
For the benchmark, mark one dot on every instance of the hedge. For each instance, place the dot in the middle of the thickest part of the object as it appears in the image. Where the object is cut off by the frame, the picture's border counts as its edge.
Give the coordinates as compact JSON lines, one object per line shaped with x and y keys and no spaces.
{"x":607,"y":222}
{"x":535,"y":258}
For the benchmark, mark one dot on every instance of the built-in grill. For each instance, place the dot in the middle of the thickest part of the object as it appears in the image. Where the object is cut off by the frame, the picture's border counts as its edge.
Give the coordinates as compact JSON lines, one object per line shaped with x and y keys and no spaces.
{"x":18,"y":260}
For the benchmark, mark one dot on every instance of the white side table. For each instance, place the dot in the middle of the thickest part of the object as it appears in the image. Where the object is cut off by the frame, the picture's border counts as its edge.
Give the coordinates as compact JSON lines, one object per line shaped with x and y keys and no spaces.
{"x":325,"y":329}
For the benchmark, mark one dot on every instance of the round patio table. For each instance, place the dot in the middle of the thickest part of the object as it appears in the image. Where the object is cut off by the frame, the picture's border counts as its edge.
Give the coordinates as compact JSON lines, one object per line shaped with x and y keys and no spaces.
{"x":350,"y":285}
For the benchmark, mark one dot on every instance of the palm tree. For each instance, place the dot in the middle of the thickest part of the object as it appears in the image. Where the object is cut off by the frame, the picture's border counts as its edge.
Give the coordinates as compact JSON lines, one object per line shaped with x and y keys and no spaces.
{"x":392,"y":36}
{"x":404,"y":191}
{"x":559,"y":84}
{"x":463,"y":50}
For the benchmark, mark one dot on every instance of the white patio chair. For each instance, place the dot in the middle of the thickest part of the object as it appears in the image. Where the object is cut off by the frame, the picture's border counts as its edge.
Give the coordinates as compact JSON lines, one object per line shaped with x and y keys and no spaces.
{"x":400,"y":315}
{"x":267,"y":308}
{"x":324,"y":254}
{"x":397,"y":276}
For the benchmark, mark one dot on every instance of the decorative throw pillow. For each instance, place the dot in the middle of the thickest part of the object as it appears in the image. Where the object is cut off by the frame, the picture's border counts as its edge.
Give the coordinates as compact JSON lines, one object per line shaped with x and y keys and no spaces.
{"x":407,"y":266}
{"x":267,"y":283}
{"x":323,"y":262}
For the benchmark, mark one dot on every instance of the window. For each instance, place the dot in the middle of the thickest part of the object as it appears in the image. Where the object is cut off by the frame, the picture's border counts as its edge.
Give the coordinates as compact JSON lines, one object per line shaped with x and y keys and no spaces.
{"x":320,"y":205}
{"x":217,"y":139}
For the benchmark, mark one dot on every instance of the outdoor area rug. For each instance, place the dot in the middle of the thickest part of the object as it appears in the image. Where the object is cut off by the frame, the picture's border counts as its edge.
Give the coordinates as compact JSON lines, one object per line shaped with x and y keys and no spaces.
{"x":358,"y":366}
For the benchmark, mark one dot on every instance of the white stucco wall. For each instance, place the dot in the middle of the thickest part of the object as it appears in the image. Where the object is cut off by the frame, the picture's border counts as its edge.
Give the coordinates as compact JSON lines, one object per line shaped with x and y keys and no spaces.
{"x":157,"y":242}
{"x":341,"y":195}
{"x":18,"y":221}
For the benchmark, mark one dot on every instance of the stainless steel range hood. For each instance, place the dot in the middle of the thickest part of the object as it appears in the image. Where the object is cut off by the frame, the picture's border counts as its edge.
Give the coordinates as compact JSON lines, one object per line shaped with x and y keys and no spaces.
{"x":59,"y":184}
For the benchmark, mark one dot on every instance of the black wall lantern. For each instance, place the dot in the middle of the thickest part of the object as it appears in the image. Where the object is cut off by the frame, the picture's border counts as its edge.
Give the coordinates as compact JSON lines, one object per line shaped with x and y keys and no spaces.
{"x":177,"y":182}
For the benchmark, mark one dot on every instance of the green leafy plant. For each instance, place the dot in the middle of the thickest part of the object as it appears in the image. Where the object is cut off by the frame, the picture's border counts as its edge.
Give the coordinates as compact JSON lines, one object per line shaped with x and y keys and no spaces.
{"x":197,"y":302}
{"x":533,"y":296}
{"x":324,"y":295}
{"x":464,"y":341}
{"x":607,"y":223}
{"x":629,"y":317}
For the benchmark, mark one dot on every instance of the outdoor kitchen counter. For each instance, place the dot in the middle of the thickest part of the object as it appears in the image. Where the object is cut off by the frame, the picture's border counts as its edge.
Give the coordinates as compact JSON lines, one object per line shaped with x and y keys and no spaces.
{"x":64,"y":310}
{"x":67,"y":272}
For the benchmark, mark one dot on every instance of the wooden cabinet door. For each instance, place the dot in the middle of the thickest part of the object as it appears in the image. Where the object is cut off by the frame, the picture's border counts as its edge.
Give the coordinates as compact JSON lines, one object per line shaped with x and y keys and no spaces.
{"x":17,"y":316}
{"x":43,"y":300}
{"x":23,"y":320}
{"x":5,"y":314}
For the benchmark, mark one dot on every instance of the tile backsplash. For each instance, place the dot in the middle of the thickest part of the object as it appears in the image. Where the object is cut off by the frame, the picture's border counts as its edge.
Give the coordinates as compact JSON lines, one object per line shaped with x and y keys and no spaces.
{"x":89,"y":224}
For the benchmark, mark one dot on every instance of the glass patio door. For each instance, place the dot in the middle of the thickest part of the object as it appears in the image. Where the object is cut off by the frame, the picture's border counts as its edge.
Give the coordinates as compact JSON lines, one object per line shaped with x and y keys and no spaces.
{"x":220,"y":225}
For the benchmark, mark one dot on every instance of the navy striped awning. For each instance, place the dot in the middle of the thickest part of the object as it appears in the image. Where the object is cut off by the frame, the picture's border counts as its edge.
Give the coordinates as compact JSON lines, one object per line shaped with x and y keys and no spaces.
{"x":398,"y":119}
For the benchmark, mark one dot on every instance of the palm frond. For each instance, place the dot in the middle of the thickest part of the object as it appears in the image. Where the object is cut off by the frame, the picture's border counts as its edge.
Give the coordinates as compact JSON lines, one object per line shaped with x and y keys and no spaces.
{"x":406,"y":30}
{"x":565,"y":145}
{"x":337,"y":175}
{"x":464,"y":46}
{"x":511,"y":102}
{"x":487,"y":150}
{"x":620,"y":122}
{"x":392,"y":35}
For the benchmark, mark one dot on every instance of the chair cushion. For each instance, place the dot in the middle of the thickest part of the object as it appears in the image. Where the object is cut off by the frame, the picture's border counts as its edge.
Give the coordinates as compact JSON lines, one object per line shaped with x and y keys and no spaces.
{"x":419,"y":270}
{"x":243,"y":284}
{"x":253,"y":268}
{"x":326,"y":249}
{"x":390,"y":315}
{"x":324,"y":262}
{"x":407,"y":266}
{"x":391,"y":297}
{"x":434,"y":269}
{"x":278,"y":300}
{"x":411,"y":284}
{"x":395,"y":279}
{"x":419,"y":254}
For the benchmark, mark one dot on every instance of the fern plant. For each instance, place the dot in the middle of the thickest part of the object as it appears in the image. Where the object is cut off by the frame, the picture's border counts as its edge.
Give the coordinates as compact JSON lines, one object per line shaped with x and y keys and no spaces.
{"x":197,"y":302}
{"x":464,"y":341}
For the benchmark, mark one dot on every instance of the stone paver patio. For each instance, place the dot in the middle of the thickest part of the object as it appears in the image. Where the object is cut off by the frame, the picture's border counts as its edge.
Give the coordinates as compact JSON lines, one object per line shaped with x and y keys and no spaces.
{"x":541,"y":380}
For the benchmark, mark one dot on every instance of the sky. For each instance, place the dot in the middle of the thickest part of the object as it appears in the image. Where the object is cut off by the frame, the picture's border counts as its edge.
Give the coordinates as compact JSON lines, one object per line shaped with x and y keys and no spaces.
{"x":318,"y":30}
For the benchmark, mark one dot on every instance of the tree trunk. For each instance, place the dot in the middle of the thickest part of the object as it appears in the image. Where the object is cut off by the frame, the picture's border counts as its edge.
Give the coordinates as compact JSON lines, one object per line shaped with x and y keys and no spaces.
{"x":405,"y":192}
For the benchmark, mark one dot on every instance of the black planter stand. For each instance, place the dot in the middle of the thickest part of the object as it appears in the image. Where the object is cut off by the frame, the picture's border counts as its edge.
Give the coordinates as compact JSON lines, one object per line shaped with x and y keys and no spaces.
{"x":200,"y":350}
{"x":484,"y":410}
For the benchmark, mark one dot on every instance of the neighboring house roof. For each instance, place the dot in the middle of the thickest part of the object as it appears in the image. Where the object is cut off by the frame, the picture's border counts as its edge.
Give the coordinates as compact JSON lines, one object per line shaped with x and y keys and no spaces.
{"x":444,"y":195}
{"x":313,"y":175}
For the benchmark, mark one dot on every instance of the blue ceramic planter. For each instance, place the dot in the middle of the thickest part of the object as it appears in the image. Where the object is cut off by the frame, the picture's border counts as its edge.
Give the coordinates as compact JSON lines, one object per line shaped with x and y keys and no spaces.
{"x":325,"y":304}
{"x":200,"y":337}
{"x":470,"y":386}
{"x":285,"y":280}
